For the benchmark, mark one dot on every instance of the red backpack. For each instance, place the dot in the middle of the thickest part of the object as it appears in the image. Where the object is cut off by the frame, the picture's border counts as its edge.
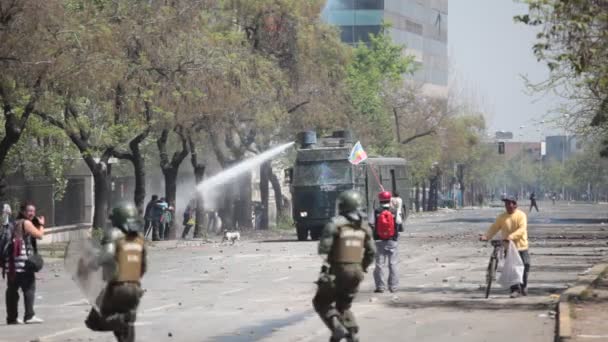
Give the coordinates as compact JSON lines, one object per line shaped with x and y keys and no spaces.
{"x":385,"y":225}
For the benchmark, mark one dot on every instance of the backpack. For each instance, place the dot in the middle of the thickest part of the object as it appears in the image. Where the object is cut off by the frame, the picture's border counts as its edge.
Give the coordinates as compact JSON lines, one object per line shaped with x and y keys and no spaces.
{"x":385,"y":225}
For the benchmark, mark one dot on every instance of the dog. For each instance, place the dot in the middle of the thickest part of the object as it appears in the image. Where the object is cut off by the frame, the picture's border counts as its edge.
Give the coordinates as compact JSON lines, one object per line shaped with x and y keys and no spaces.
{"x":233,"y":237}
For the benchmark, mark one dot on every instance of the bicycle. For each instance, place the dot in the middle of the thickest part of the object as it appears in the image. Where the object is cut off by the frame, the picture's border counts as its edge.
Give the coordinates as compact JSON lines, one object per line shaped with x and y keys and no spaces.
{"x":493,"y":264}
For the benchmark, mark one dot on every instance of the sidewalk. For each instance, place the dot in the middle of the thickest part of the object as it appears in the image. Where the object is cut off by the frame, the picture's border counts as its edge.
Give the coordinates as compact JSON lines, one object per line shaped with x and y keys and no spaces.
{"x":590,"y":313}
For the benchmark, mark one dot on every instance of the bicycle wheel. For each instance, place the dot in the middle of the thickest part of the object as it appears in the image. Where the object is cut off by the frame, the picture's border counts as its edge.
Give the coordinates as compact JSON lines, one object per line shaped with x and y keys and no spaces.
{"x":490,"y":272}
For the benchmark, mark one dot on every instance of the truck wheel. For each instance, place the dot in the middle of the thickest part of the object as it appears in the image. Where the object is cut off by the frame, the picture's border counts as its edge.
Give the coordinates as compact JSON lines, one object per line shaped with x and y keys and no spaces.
{"x":315,"y":233}
{"x":302,"y":233}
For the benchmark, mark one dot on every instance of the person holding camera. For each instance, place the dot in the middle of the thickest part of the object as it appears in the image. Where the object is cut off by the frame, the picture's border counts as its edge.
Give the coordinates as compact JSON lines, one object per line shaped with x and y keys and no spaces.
{"x":22,"y":264}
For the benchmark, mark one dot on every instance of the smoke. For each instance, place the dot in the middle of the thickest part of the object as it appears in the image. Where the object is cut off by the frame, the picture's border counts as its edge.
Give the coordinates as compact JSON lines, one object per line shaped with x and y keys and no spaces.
{"x":212,"y":189}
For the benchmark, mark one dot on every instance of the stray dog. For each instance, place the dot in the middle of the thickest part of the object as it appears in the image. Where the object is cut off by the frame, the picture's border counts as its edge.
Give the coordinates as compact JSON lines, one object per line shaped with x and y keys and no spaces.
{"x":231,"y":236}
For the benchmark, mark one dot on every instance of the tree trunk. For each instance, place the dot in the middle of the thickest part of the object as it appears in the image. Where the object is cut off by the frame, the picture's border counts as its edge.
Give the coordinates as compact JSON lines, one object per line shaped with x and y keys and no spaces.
{"x":139,"y":194}
{"x":417,"y":198}
{"x":170,"y":169}
{"x":242,"y":205}
{"x":199,"y":174}
{"x":424,"y":195}
{"x":101,"y":181}
{"x":170,"y":185}
{"x":2,"y":185}
{"x":265,"y":171}
{"x":278,"y":193}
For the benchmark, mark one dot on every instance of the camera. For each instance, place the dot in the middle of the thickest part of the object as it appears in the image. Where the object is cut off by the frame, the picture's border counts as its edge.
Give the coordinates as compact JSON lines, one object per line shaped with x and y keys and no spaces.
{"x":36,"y":222}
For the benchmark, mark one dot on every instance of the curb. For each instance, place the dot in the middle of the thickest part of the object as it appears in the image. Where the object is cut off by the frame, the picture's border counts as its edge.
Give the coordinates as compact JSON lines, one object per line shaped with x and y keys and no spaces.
{"x":564,"y":323}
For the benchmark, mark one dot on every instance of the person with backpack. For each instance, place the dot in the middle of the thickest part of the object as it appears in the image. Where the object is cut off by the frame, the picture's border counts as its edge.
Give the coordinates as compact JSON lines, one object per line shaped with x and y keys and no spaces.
{"x":20,"y":273}
{"x":386,"y":234}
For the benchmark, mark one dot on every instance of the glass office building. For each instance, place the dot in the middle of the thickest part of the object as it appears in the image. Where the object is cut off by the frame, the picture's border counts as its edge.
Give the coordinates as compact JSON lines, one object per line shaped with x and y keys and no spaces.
{"x":421,"y":25}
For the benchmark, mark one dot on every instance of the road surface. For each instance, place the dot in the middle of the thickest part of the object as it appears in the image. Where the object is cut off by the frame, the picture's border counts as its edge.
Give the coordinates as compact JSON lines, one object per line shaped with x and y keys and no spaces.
{"x":262,"y":290}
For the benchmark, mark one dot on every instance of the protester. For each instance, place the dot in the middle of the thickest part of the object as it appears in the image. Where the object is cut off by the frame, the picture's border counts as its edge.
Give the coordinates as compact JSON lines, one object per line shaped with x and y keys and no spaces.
{"x":533,"y":201}
{"x":148,"y":214}
{"x":167,"y":222}
{"x":386,"y":235}
{"x":189,"y":220}
{"x":156,"y":216}
{"x":513,"y":225}
{"x":20,"y":275}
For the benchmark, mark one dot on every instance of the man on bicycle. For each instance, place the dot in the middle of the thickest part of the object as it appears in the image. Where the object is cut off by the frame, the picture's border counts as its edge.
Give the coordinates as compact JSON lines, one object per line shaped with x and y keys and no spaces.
{"x":513,"y":224}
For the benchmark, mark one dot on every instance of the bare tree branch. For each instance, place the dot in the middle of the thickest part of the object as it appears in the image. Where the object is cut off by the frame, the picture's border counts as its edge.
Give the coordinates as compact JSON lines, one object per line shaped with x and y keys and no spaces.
{"x":419,"y":135}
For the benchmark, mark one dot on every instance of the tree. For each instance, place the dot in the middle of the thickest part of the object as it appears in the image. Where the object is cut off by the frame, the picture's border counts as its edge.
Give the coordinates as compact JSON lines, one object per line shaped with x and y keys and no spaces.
{"x":373,"y":71}
{"x":88,"y":104}
{"x":573,"y":42}
{"x":30,"y":58}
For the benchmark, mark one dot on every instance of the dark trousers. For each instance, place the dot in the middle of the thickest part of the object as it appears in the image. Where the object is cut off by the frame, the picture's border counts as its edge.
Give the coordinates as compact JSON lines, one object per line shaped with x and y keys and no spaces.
{"x":187,"y":228}
{"x":156,"y":230}
{"x":525,"y":257}
{"x":335,"y":297}
{"x":533,"y":205}
{"x":118,"y":305}
{"x":26,"y":281}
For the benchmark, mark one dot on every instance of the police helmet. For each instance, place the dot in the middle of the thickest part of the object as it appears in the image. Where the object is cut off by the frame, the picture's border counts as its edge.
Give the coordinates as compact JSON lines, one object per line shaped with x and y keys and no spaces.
{"x":124,"y":217}
{"x":349,"y":201}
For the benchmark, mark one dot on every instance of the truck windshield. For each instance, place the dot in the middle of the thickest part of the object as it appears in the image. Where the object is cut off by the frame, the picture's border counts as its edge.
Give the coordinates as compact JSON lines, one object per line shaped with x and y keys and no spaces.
{"x":323,"y":172}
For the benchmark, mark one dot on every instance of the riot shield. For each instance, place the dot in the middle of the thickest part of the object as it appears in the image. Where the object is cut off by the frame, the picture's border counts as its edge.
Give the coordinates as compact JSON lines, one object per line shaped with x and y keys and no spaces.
{"x":81,"y":263}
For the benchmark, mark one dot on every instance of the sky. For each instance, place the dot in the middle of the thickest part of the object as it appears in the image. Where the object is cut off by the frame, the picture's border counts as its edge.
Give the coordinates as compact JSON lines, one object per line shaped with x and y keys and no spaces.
{"x":489,"y":53}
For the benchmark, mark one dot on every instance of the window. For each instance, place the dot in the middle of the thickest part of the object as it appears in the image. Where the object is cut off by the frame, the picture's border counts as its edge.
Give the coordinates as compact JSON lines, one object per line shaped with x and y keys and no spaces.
{"x":341,"y":4}
{"x":369,"y":4}
{"x":413,"y":27}
{"x":347,"y":34}
{"x":362,"y":32}
{"x":323,"y":173}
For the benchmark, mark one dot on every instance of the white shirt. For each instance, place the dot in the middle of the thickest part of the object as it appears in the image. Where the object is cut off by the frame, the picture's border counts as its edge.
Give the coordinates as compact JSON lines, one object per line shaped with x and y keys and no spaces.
{"x":396,"y":206}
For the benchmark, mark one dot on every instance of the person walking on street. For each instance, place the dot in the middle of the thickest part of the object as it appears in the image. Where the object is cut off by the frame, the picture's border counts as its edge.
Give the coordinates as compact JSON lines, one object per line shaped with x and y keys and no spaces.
{"x":148,"y":214}
{"x":124,"y":263}
{"x":386,"y":234}
{"x":348,"y":243}
{"x":21,"y":272}
{"x":513,"y":225}
{"x":157,"y":215}
{"x":553,"y":197}
{"x":189,"y":217}
{"x":167,"y":222}
{"x":533,"y":201}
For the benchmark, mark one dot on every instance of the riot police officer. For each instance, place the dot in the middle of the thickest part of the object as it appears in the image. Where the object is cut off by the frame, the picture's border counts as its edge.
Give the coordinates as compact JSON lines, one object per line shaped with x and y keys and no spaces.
{"x":124,"y":263}
{"x":348,"y":243}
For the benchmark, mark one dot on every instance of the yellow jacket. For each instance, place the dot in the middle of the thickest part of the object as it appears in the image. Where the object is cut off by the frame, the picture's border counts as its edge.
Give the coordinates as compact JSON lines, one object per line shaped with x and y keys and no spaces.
{"x":513,"y":227}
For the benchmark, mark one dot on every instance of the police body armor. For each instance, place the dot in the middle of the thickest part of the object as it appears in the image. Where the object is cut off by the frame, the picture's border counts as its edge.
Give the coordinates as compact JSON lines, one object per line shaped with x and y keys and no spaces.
{"x":348,"y":246}
{"x":129,"y":257}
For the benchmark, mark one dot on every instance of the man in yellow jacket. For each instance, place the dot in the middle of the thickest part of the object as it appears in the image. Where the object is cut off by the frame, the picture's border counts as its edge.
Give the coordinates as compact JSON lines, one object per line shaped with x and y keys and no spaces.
{"x":513,"y":225}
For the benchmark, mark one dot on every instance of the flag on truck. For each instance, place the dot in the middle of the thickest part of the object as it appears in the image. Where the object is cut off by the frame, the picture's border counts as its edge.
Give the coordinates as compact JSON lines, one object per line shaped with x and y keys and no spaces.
{"x":357,"y":155}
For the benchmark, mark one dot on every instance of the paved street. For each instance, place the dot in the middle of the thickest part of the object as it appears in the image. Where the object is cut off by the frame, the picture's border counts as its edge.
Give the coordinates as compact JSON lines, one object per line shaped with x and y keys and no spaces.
{"x":262,"y":290}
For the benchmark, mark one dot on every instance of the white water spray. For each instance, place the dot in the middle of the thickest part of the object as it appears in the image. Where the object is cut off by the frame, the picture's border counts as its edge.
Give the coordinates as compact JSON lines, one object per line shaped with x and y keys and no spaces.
{"x":210,"y":185}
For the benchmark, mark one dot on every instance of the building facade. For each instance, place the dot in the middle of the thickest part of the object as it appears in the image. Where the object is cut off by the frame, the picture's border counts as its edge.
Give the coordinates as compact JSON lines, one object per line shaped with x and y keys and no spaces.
{"x":420,"y":25}
{"x":562,"y":147}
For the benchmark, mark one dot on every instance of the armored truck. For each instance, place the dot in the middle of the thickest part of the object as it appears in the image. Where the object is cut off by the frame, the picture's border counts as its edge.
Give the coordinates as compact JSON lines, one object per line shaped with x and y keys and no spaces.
{"x":322,"y":171}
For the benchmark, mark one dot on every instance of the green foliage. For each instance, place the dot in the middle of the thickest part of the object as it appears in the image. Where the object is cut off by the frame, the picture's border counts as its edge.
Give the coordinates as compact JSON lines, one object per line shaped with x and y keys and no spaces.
{"x":376,"y":69}
{"x":573,"y":42}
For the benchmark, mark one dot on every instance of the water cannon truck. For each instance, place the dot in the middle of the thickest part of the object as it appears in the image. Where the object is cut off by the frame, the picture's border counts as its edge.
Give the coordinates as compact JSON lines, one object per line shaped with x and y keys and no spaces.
{"x":322,"y":171}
